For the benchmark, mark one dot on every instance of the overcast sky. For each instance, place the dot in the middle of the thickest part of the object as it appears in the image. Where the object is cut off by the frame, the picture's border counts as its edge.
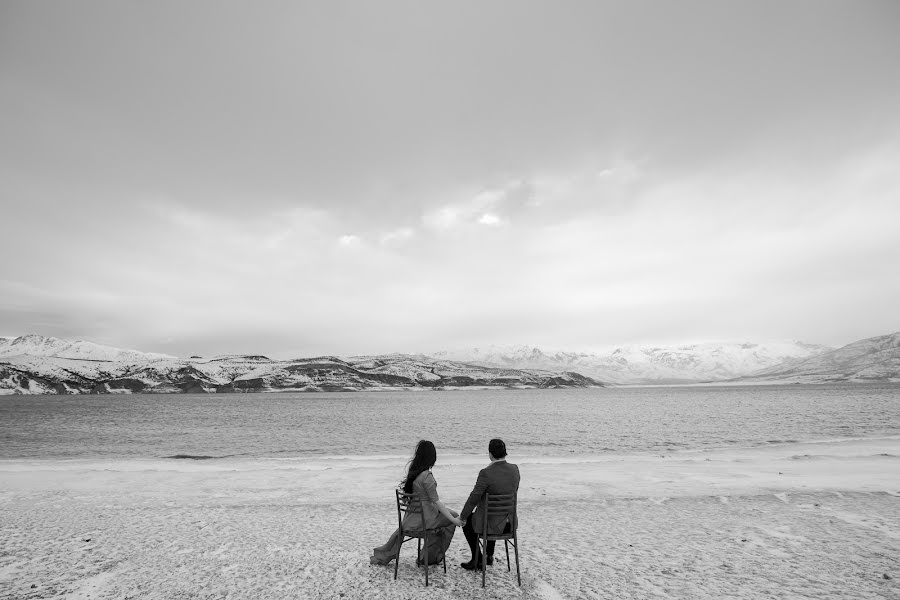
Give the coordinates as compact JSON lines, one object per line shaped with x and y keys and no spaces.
{"x":340,"y":177}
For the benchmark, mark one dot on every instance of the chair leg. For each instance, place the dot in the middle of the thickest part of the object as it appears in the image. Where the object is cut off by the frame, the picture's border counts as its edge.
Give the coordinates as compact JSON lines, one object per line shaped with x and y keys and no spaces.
{"x":483,"y":561}
{"x":397,"y":556}
{"x":506,"y":545}
{"x":426,"y":558}
{"x":516,"y":548}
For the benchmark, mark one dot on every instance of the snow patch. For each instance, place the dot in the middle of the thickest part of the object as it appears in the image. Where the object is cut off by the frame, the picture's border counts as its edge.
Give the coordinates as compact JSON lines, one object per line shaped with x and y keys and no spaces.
{"x":546,"y":591}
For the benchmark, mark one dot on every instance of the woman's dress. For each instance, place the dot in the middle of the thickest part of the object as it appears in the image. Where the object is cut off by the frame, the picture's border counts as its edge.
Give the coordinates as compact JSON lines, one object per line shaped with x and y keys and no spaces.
{"x":438,"y":541}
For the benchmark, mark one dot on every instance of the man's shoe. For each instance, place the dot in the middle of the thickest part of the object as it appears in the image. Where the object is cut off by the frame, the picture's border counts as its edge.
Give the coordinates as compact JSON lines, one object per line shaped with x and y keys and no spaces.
{"x":471,"y":565}
{"x":490,"y":560}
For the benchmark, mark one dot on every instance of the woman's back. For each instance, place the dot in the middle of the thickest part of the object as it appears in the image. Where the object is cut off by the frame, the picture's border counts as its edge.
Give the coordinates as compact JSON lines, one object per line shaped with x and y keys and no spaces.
{"x":425,"y":487}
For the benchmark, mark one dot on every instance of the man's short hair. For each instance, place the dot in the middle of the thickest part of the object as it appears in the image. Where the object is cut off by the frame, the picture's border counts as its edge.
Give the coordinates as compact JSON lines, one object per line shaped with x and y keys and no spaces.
{"x":497,"y":448}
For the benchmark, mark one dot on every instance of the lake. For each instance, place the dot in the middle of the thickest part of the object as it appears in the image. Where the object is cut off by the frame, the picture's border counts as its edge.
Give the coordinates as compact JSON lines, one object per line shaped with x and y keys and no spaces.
{"x":532,"y":422}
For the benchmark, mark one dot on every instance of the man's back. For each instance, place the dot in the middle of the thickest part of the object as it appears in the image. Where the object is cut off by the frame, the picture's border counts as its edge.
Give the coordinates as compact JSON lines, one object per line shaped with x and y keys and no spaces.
{"x":499,"y":477}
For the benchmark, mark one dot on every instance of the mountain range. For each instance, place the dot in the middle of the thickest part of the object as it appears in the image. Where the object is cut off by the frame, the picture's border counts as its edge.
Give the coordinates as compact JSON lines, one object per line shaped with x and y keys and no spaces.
{"x":690,"y":363}
{"x":34,"y":364}
{"x":872,"y":359}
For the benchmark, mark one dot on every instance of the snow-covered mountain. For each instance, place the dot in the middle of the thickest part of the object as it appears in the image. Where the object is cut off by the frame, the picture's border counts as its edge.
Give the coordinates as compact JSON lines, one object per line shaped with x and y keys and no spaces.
{"x":38,"y":365}
{"x":42,"y":365}
{"x":39,"y":345}
{"x":871,"y":359}
{"x":651,"y":364}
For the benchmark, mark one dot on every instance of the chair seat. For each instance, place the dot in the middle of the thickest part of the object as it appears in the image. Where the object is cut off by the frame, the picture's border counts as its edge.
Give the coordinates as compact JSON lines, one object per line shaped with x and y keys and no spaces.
{"x":419,"y":533}
{"x":492,"y":537}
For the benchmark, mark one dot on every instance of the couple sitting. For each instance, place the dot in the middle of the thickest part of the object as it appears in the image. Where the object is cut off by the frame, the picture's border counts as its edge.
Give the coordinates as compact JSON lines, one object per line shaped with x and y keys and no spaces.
{"x":500,"y":477}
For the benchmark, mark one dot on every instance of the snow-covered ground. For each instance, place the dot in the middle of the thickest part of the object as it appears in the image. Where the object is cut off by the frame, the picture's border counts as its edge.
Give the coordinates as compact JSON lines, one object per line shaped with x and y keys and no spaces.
{"x":792,"y":521}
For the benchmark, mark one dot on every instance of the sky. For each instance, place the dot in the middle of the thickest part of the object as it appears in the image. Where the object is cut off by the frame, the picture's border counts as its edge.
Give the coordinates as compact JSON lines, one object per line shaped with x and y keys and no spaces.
{"x":305,"y":178}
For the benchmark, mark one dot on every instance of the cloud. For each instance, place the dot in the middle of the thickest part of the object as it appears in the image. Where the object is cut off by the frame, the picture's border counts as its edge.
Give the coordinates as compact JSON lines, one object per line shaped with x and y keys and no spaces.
{"x":488,"y":219}
{"x":735,"y":252}
{"x":397,"y":236}
{"x":488,"y":206}
{"x":445,"y":217}
{"x":704,"y":254}
{"x":543,"y":196}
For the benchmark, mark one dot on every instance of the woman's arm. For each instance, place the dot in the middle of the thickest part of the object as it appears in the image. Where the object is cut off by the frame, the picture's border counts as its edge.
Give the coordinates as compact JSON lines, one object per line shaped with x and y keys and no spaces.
{"x":451,"y":515}
{"x":430,"y":487}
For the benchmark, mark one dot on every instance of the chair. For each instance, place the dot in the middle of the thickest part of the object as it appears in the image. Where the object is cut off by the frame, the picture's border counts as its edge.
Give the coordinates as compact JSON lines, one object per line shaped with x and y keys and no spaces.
{"x":411,"y":504}
{"x":499,"y":505}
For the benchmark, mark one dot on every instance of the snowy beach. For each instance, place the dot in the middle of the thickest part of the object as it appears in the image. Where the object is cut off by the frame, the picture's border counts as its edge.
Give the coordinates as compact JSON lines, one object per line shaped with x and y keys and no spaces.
{"x":817,"y":520}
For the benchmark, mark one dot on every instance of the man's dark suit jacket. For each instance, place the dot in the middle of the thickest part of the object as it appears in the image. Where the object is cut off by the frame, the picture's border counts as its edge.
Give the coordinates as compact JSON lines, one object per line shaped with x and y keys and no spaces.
{"x":499,"y":477}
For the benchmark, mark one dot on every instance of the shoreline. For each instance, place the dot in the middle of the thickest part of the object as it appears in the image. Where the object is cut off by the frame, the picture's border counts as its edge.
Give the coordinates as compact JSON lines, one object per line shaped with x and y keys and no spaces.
{"x":4,"y":392}
{"x":846,"y":443}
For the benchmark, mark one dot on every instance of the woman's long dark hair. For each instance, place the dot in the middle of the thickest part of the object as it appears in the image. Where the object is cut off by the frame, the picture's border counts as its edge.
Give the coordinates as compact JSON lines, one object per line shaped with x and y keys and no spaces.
{"x":422,"y":460}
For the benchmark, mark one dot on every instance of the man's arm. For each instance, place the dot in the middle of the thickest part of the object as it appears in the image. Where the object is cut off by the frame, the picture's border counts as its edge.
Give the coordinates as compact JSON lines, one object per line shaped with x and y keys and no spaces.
{"x":478,"y":491}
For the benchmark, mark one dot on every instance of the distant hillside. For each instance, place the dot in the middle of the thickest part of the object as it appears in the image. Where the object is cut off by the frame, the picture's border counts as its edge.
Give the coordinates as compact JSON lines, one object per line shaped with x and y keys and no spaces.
{"x":690,"y":363}
{"x":872,"y":359}
{"x":36,"y":365}
{"x":39,"y":345}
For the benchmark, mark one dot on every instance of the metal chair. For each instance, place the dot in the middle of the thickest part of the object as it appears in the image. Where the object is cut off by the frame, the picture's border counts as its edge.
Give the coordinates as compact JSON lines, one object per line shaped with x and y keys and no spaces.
{"x":499,"y":505}
{"x":411,"y":504}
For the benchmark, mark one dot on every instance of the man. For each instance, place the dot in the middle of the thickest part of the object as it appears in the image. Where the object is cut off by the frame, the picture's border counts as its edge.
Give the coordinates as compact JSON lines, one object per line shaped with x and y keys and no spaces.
{"x":499,"y":477}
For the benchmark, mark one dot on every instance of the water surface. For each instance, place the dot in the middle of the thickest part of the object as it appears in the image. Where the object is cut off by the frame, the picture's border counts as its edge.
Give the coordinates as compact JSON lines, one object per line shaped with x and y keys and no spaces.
{"x":533,"y":422}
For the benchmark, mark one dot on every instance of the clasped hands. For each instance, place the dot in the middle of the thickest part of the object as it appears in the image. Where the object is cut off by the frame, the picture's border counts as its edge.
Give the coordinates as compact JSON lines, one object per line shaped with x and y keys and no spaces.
{"x":455,"y":520}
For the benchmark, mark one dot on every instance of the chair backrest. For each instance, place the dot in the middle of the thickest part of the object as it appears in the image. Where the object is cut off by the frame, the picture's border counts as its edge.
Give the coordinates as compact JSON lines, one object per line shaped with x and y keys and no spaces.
{"x":501,"y":505}
{"x":407,"y":504}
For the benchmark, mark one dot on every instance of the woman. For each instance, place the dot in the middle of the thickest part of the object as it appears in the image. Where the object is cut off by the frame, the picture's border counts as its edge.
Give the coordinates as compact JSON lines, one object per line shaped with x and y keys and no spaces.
{"x":419,"y":480}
